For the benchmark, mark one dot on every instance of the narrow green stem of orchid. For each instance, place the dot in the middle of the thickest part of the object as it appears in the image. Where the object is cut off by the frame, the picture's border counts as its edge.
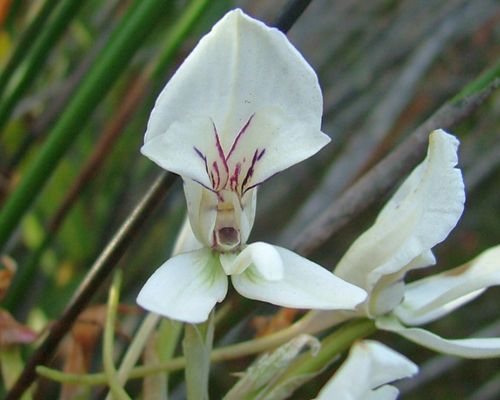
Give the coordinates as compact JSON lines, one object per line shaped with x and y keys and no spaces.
{"x":221,"y":354}
{"x":197,"y":347}
{"x":168,"y":335}
{"x":26,"y":41}
{"x":109,"y":332}
{"x":135,"y":349}
{"x":40,"y":52}
{"x":331,"y":346}
{"x":111,"y":62}
{"x":11,"y":364}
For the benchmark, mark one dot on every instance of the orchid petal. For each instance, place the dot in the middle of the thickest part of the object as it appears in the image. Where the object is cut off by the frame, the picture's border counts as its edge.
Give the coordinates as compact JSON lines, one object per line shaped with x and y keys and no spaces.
{"x":245,"y":215}
{"x":186,"y":287}
{"x":371,"y":365}
{"x":304,"y":285}
{"x":186,"y":240}
{"x":467,"y":348}
{"x":264,"y":258}
{"x":189,"y":148}
{"x":202,"y":211}
{"x":429,"y":299}
{"x":420,"y":215}
{"x":239,"y":67}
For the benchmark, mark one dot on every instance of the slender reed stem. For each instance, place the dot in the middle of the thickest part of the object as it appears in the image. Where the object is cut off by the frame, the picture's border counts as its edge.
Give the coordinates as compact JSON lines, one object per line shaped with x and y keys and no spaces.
{"x":118,"y":391}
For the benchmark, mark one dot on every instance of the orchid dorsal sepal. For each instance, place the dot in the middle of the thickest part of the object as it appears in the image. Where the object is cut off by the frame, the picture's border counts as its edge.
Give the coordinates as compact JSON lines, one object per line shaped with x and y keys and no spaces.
{"x":242,"y":107}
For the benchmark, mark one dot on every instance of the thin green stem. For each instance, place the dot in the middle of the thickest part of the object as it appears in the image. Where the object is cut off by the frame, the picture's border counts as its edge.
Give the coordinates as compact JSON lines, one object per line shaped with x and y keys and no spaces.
{"x":478,"y":84}
{"x":26,"y":42}
{"x":11,"y":365}
{"x":118,"y":391}
{"x":182,"y":27}
{"x":197,"y":347}
{"x":331,"y":346}
{"x":134,"y":351}
{"x":221,"y":354}
{"x":66,"y":11}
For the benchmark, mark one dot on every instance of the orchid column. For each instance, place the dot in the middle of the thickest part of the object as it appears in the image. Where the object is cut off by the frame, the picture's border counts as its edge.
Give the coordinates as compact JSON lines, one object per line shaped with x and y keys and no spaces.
{"x":243,"y":106}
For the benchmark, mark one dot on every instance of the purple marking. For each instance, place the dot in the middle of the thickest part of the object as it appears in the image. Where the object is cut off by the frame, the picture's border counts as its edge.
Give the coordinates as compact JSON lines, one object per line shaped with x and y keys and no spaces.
{"x":234,"y":178}
{"x":219,"y":149}
{"x":215,"y":167}
{"x":259,"y":156}
{"x":240,"y":134}
{"x":205,"y":186}
{"x":255,"y":158}
{"x":204,"y":158}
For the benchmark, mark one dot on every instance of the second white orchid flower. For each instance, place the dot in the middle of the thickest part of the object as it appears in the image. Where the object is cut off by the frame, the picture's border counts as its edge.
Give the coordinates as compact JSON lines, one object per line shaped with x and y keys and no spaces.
{"x":420,"y":215}
{"x":243,"y":106}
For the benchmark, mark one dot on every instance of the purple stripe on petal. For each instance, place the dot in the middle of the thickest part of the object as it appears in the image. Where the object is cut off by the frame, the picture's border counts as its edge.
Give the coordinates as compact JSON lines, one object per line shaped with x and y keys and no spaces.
{"x":250,"y":170}
{"x":261,"y":154}
{"x":220,"y":150}
{"x":240,"y":134}
{"x":215,"y":167}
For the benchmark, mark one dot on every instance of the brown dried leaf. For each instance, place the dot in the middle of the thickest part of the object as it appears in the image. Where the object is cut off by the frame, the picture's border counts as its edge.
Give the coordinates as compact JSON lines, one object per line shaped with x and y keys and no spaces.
{"x":79,"y":347}
{"x":12,"y":332}
{"x":267,"y":325}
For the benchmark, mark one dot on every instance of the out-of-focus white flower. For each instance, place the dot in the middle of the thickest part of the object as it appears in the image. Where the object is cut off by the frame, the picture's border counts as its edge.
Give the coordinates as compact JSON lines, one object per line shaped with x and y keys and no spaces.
{"x":420,"y":215}
{"x":243,"y":106}
{"x":366,"y":372}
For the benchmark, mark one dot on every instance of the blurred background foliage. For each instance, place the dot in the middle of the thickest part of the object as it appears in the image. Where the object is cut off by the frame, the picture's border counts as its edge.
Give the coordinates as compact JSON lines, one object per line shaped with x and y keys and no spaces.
{"x":82,"y":72}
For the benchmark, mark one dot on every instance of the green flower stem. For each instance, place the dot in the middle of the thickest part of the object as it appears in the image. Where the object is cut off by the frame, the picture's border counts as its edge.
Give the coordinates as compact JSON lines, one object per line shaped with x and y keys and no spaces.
{"x":197,"y":347}
{"x":331,"y":346}
{"x":25,"y":42}
{"x":134,"y":351}
{"x":40,"y":52}
{"x":221,"y":354}
{"x":167,"y":339}
{"x":111,"y":62}
{"x":109,"y":332}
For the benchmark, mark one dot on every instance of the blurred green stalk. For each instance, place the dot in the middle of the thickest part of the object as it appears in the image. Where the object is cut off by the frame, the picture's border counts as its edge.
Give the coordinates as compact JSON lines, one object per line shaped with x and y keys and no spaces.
{"x":25,"y":42}
{"x":37,"y":57}
{"x":130,"y":33}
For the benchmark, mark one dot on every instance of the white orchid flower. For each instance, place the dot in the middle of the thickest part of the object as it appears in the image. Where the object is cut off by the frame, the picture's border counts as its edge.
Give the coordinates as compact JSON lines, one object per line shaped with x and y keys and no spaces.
{"x":243,"y":106}
{"x":366,"y":372}
{"x":420,"y":215}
